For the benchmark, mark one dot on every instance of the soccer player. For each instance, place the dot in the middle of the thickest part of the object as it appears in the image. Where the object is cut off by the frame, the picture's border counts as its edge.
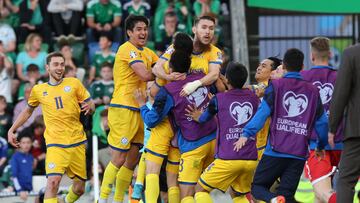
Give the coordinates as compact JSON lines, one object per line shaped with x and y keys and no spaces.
{"x":262,"y":76}
{"x":295,"y":108}
{"x":64,"y":135}
{"x":160,"y":146}
{"x":205,"y":58}
{"x":323,"y":77}
{"x":234,"y":109}
{"x":132,"y":69}
{"x":196,"y":141}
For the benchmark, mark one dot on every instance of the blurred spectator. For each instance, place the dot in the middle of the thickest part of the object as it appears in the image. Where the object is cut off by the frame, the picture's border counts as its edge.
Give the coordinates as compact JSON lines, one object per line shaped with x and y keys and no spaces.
{"x":66,"y":17}
{"x":6,"y":75}
{"x":69,"y":72}
{"x":8,"y":38}
{"x":5,"y":118}
{"x":32,"y":20}
{"x":3,"y":154}
{"x":9,"y":10}
{"x":34,"y":78}
{"x":101,"y":91}
{"x":103,"y":16}
{"x":136,"y":7}
{"x":101,"y":129}
{"x":22,"y":166}
{"x":182,"y":9}
{"x":31,"y":55}
{"x":104,"y":55}
{"x":202,"y":7}
{"x":67,"y":52}
{"x":165,"y":32}
{"x":38,"y":150}
{"x":21,"y":105}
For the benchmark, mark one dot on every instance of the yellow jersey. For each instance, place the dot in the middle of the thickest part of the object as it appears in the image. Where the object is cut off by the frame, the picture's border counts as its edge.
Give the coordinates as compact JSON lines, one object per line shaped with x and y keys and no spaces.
{"x":199,"y":61}
{"x":61,"y":110}
{"x":125,"y":79}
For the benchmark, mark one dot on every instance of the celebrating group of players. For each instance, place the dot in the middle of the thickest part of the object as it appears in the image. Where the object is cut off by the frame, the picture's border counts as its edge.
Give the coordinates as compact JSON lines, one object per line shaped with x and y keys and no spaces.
{"x":210,"y":141}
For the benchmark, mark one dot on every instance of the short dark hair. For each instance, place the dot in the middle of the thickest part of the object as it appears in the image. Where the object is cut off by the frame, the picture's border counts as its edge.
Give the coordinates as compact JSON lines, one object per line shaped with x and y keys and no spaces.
{"x":180,"y":61}
{"x":236,"y":74}
{"x":108,"y":35}
{"x":293,"y":60}
{"x":170,"y":14}
{"x":131,"y":21}
{"x":32,"y":68}
{"x":53,"y":54}
{"x":106,"y":64}
{"x":276,"y":62}
{"x":205,"y":17}
{"x":183,"y":42}
{"x":25,"y":134}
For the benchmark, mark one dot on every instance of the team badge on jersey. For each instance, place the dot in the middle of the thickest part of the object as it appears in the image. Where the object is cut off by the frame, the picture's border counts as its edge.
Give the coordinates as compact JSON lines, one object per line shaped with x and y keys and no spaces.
{"x":133,"y":54}
{"x":45,"y":93}
{"x":326,"y":90}
{"x":241,"y":112}
{"x":294,"y":104}
{"x":124,"y":141}
{"x":198,"y":97}
{"x":67,"y":88}
{"x":51,"y":165}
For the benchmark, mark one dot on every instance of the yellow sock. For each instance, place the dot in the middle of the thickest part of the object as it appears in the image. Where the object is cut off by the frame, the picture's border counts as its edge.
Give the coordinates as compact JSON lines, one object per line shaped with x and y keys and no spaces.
{"x":188,"y":199}
{"x":241,"y":199}
{"x":174,"y":194}
{"x":202,"y":197}
{"x":141,"y":170}
{"x":108,"y":180}
{"x":123,"y":179}
{"x":51,"y":200}
{"x":152,"y":190}
{"x":71,"y":196}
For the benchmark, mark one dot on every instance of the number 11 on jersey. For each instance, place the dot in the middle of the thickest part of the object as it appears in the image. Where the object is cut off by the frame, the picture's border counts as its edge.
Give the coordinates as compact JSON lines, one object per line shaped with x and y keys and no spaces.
{"x":59,"y":103}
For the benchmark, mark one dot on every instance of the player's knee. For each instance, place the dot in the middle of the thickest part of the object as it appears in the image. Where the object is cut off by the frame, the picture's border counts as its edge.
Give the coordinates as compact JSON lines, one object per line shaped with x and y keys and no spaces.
{"x":199,"y":188}
{"x":53,"y":183}
{"x":187,"y":190}
{"x":79,"y":189}
{"x":171,"y":179}
{"x":118,"y":159}
{"x":152,"y":168}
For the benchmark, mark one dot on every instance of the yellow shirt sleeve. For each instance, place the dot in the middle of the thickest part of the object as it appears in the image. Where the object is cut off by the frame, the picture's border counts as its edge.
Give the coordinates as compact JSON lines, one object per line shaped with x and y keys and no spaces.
{"x":167,"y":54}
{"x":132,"y":55}
{"x":81,"y":92}
{"x":154,"y":58}
{"x":33,"y":100}
{"x":215,"y":56}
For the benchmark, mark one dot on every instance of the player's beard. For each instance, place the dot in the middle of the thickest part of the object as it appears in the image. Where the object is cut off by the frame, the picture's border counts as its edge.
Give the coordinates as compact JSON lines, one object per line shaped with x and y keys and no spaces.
{"x":56,"y":77}
{"x":201,"y":46}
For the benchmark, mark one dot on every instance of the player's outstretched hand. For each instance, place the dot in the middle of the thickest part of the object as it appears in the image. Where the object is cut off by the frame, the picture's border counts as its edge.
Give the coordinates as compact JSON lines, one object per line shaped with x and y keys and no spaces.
{"x":331,"y":140}
{"x":190,"y":87}
{"x":140,"y":97}
{"x":85,"y":107}
{"x":320,"y":154}
{"x":12,"y":139}
{"x":240,"y":143}
{"x":193,"y":112}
